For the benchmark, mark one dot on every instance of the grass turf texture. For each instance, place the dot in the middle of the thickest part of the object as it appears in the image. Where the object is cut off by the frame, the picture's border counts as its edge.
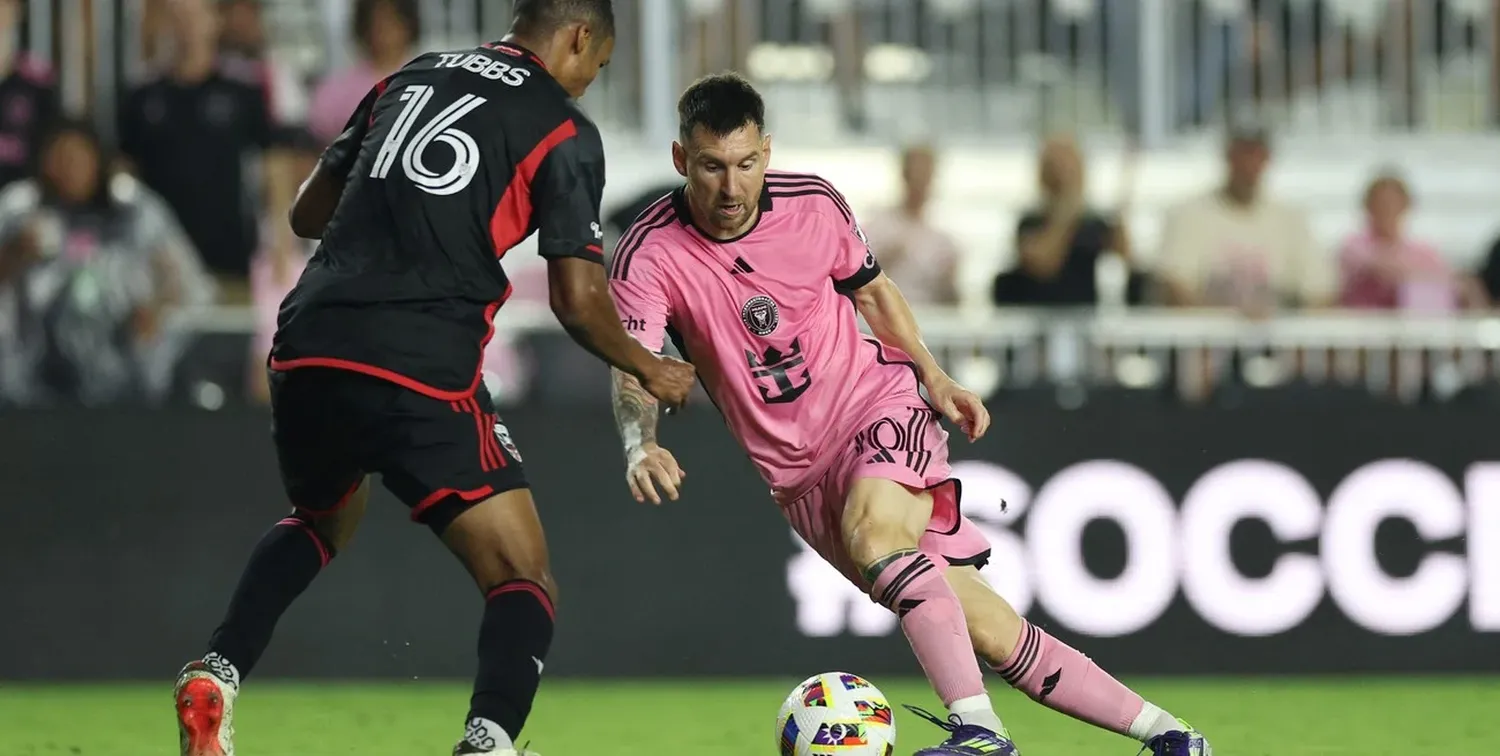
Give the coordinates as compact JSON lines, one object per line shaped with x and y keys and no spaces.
{"x":1249,"y":717}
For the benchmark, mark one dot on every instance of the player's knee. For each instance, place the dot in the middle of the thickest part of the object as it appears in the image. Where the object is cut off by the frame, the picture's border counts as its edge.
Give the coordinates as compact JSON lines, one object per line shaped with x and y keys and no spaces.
{"x":336,"y":526}
{"x":540,"y":574}
{"x":491,"y":567}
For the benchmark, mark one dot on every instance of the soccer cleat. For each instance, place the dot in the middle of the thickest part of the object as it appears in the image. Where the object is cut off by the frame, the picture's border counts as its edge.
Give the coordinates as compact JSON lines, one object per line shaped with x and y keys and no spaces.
{"x":966,"y":739}
{"x":464,"y":748}
{"x":478,"y":740}
{"x":205,"y":711}
{"x":1184,"y":742}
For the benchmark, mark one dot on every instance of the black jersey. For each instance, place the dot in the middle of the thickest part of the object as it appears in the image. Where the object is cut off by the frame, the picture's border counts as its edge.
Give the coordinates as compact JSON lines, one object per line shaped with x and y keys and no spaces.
{"x":451,"y":162}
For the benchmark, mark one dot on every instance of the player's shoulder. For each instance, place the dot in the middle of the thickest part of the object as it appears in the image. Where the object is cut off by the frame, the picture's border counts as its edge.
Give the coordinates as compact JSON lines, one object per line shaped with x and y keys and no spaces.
{"x":647,"y":238}
{"x":583,"y":127}
{"x":806,"y":192}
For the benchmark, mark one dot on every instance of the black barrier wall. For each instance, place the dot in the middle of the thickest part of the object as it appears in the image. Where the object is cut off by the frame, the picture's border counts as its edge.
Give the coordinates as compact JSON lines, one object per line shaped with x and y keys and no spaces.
{"x":1158,"y":540}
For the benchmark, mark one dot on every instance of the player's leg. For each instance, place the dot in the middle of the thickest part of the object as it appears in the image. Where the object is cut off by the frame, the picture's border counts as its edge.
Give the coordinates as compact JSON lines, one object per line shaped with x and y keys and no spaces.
{"x":457,"y":468}
{"x":1056,"y":675}
{"x":282,"y":565}
{"x":501,"y":543}
{"x":329,"y":494}
{"x":882,"y":523}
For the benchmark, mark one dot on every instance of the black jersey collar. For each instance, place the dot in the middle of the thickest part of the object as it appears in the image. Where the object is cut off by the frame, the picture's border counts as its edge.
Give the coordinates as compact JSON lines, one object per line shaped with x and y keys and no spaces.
{"x":516,"y":51}
{"x":685,"y":214}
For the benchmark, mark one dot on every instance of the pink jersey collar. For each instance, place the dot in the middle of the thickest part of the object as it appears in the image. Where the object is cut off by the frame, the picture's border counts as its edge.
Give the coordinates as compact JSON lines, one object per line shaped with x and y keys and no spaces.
{"x":685,"y":215}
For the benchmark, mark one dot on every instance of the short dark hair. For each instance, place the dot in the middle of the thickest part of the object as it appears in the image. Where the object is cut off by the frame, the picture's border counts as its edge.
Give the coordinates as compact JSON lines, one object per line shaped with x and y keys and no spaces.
{"x":720,"y":103}
{"x":533,"y":18}
{"x":406,"y":10}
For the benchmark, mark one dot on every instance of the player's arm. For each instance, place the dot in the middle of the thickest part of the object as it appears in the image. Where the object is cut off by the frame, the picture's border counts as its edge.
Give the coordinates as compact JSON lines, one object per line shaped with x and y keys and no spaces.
{"x":319,"y":195}
{"x":890,"y":318}
{"x":567,"y":191}
{"x":856,"y":272}
{"x":644,"y":311}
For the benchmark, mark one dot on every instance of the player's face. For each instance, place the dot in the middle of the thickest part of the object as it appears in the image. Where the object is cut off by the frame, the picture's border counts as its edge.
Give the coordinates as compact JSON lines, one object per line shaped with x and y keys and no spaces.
{"x":724,"y":176}
{"x":590,"y":55}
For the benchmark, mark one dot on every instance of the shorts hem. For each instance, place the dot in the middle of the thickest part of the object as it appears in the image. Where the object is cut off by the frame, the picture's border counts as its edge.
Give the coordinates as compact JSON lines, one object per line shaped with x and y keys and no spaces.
{"x":440,"y":508}
{"x":958,"y":508}
{"x":978,"y":561}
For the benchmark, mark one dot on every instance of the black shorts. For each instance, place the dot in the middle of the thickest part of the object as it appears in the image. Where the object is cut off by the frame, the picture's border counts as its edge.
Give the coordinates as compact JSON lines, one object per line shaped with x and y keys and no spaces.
{"x":334,"y":427}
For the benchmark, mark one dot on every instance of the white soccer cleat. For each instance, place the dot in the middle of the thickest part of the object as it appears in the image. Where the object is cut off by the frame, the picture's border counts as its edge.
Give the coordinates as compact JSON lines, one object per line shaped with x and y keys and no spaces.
{"x":479,"y":740}
{"x":465,"y":748}
{"x":205,"y":711}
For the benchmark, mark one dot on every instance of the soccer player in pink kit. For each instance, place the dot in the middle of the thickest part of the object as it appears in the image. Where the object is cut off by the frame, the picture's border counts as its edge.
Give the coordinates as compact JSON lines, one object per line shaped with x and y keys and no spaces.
{"x":753,"y":274}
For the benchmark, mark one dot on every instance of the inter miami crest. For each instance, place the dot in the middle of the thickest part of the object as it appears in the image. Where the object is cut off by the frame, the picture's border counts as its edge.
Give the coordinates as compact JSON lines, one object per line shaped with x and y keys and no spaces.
{"x":761,"y":315}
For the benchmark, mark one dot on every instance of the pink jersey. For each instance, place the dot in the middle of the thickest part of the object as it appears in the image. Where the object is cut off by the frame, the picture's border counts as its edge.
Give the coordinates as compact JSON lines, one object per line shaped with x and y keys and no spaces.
{"x":765,"y":319}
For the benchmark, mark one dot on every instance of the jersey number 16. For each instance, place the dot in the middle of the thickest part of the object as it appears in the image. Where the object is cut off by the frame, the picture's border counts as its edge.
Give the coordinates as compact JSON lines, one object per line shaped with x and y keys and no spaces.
{"x":439,"y":129}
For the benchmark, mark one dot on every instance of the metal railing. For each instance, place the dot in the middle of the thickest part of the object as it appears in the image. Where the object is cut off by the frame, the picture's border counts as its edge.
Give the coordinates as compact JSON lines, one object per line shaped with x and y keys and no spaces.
{"x":1188,"y":352}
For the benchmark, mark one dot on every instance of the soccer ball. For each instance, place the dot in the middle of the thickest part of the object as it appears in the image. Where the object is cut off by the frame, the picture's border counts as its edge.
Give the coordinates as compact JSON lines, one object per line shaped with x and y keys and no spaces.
{"x":836,"y":714}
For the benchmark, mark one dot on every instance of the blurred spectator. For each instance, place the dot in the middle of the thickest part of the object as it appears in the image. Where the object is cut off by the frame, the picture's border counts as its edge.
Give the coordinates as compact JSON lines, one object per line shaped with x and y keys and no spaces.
{"x":1059,"y":245}
{"x":89,"y":265}
{"x":1235,"y":247}
{"x":189,"y":134}
{"x":1383,"y":268}
{"x":28,"y":99}
{"x":245,"y":54}
{"x":386,"y":32}
{"x":921,"y":258}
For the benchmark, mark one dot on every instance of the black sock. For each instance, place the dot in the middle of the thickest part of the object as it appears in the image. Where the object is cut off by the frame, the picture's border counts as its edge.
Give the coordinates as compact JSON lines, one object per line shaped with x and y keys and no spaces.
{"x":283,"y":564}
{"x":513,"y":642}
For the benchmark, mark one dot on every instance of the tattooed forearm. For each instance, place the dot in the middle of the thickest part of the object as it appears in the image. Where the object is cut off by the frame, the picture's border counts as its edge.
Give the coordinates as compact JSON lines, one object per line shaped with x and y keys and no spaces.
{"x":635,"y":412}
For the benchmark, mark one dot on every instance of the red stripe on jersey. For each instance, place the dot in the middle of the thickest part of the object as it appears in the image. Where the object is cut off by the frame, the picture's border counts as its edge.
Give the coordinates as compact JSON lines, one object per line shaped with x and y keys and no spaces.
{"x":512,"y":218}
{"x":379,"y":91}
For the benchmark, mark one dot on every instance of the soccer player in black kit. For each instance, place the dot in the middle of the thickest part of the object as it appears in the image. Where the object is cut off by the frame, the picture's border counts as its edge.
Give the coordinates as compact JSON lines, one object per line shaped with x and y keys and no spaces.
{"x":443,"y":168}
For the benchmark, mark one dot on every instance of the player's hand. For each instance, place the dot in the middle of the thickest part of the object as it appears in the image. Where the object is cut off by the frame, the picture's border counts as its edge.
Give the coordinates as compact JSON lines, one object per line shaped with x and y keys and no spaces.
{"x":961,"y":406}
{"x":648,"y":467}
{"x":670,"y":381}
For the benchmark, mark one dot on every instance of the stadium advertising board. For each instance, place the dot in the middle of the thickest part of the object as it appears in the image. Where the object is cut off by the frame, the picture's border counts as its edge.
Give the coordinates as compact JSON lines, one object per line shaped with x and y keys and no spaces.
{"x":1158,"y":540}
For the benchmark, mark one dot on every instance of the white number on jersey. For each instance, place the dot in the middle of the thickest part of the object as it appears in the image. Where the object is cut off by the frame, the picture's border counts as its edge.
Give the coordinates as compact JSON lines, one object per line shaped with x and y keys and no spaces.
{"x":439,"y":129}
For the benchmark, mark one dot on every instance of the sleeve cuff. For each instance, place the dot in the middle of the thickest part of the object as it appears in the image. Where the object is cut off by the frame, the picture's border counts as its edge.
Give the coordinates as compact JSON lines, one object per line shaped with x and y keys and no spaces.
{"x":592,"y":252}
{"x":864,"y":275}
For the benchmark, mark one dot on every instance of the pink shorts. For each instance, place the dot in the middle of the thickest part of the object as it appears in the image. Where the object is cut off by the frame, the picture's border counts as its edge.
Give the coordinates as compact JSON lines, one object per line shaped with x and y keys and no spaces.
{"x":909,"y":446}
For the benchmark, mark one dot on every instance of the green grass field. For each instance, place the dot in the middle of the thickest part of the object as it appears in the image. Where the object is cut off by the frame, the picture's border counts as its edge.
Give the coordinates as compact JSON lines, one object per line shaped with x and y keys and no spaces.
{"x":1322,"y":717}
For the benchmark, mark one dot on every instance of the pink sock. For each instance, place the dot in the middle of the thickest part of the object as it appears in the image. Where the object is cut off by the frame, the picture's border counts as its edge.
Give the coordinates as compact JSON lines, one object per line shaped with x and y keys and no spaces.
{"x":1057,"y":676}
{"x":910,"y":585}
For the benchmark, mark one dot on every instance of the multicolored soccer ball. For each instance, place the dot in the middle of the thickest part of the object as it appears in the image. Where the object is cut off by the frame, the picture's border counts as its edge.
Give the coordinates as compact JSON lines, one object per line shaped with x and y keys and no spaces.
{"x":836,"y":714}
